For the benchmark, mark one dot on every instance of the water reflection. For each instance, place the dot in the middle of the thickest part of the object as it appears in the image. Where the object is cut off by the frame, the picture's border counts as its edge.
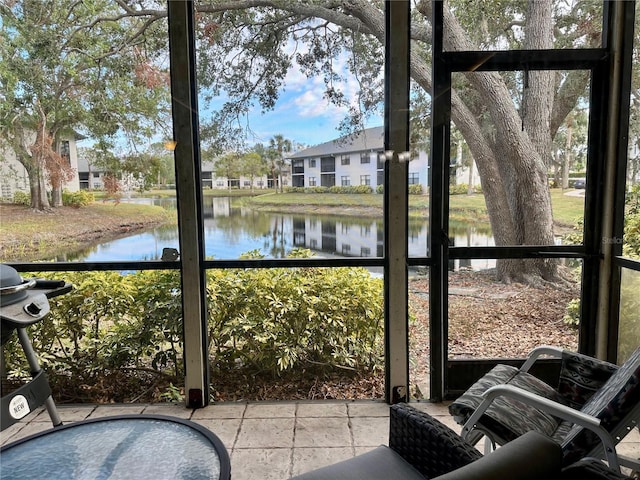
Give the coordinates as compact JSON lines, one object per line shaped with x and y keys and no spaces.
{"x":231,"y":229}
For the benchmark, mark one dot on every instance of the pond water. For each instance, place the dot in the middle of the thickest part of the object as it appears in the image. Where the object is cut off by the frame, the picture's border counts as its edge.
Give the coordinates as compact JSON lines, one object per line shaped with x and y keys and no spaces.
{"x":231,"y":230}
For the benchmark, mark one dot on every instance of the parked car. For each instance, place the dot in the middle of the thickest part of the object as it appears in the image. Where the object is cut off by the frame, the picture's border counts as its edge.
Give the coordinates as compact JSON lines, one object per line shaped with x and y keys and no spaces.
{"x":580,"y":183}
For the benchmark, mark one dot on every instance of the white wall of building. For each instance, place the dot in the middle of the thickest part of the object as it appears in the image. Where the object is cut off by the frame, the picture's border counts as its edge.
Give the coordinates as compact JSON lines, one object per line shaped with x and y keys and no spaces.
{"x":13,"y":175}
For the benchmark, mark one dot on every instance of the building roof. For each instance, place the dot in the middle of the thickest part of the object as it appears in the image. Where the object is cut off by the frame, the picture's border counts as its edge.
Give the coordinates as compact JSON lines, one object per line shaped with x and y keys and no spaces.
{"x":367,"y":139}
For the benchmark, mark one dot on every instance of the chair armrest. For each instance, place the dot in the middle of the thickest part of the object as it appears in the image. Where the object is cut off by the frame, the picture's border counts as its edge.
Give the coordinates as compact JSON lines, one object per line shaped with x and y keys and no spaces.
{"x":532,"y":456}
{"x":562,"y":411}
{"x":428,"y":445}
{"x":546,"y":350}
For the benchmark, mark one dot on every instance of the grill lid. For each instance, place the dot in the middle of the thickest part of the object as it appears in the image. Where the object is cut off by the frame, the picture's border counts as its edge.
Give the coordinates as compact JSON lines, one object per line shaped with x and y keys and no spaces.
{"x":13,"y":288}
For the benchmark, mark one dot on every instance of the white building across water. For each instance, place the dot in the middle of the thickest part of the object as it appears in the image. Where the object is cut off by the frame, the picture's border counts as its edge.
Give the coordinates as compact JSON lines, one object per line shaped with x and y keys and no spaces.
{"x":352,"y":160}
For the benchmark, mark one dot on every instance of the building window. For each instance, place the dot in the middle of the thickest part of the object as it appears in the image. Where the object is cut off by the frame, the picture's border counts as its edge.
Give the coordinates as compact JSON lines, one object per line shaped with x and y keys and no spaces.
{"x":365,"y":231}
{"x":345,"y":181}
{"x":312,"y":181}
{"x":381,"y":160}
{"x":346,"y":249}
{"x":365,"y":179}
{"x":6,"y":190}
{"x":414,"y":178}
{"x":247,"y":183}
{"x":328,"y":180}
{"x":220,"y":183}
{"x":297,"y":166}
{"x":345,"y":229}
{"x":298,"y":180}
{"x":327,"y":164}
{"x":312,"y":163}
{"x":365,"y":157}
{"x":345,"y":160}
{"x":365,"y":252}
{"x":260,"y":183}
{"x":96,"y":174}
{"x":313,"y":243}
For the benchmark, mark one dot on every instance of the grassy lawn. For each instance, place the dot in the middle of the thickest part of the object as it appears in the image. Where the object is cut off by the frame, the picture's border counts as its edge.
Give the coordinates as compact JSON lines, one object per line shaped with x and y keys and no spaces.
{"x":567,"y":210}
{"x":28,"y":235}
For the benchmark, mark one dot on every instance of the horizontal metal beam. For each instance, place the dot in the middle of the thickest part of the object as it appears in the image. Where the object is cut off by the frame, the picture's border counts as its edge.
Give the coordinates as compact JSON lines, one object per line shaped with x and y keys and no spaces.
{"x":579,"y":59}
{"x":174,"y":265}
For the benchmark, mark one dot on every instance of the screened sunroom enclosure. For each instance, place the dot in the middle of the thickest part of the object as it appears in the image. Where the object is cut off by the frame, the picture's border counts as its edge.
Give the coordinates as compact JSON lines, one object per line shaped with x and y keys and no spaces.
{"x":422,"y":54}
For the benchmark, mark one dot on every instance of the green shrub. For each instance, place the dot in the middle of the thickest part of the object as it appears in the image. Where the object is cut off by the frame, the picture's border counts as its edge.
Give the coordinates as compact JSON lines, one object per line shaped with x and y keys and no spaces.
{"x":280,"y":318}
{"x":316,"y":190}
{"x":415,"y":189}
{"x":380,"y":189}
{"x":353,"y":189}
{"x":21,"y":198}
{"x":631,"y":245}
{"x":263,"y":320}
{"x":463,"y":189}
{"x":78,"y":199}
{"x":629,"y":333}
{"x":572,"y":313}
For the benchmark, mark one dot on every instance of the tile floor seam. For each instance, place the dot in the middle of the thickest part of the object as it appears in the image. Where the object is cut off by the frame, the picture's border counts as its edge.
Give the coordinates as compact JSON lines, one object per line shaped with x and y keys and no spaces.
{"x":237,"y":436}
{"x":351,"y":435}
{"x":293,"y":442}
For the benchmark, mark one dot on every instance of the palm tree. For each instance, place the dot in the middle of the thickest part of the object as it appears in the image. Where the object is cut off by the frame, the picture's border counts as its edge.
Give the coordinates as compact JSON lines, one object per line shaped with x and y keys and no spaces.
{"x":279,"y":146}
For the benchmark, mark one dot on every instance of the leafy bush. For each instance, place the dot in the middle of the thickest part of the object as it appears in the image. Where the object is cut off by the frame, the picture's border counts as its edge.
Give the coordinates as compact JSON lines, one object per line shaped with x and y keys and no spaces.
{"x":78,"y":199}
{"x":21,"y":198}
{"x":415,"y":189}
{"x":629,"y":334}
{"x":631,"y":246}
{"x":261,"y":320}
{"x":572,"y":313}
{"x":353,"y":189}
{"x":316,"y":190}
{"x":380,"y":189}
{"x":463,"y":189}
{"x":280,"y":318}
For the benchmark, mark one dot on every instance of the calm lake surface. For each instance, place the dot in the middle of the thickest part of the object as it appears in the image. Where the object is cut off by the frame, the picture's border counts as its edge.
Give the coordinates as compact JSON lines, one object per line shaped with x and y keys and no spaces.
{"x":232,"y":230}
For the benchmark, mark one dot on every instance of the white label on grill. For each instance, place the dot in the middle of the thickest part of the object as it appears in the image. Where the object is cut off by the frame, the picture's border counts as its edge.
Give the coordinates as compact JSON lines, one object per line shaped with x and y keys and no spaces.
{"x":18,"y":407}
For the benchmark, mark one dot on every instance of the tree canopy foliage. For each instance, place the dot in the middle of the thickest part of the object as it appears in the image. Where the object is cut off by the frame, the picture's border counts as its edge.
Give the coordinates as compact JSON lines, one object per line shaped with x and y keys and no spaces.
{"x":101,"y":73}
{"x":62,"y":71}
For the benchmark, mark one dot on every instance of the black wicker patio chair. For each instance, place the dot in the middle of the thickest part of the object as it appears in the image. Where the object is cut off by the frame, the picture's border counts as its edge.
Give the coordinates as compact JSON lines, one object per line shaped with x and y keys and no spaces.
{"x":593,"y":406}
{"x":421,"y":447}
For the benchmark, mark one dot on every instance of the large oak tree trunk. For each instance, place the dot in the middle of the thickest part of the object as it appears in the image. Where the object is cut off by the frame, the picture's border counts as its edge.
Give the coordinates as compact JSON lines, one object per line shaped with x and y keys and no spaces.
{"x":38,"y":187}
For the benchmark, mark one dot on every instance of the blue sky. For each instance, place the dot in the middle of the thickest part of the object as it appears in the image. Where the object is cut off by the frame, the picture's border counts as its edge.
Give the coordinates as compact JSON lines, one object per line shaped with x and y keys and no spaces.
{"x":302,"y":114}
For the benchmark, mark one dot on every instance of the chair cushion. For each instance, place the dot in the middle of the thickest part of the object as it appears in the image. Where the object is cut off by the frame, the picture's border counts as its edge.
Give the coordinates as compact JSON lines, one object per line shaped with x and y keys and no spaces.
{"x":507,"y":419}
{"x":614,"y":402}
{"x":581,"y":376}
{"x":381,"y":463}
{"x":531,"y":457}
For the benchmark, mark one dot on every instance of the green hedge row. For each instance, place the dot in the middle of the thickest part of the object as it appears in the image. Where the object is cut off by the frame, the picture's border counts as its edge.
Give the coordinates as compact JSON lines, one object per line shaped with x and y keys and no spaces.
{"x":260,"y":320}
{"x":357,"y":189}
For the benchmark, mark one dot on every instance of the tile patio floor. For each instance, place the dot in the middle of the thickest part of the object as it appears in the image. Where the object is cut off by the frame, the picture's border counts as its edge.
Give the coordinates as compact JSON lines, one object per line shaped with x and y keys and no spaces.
{"x":274,"y":440}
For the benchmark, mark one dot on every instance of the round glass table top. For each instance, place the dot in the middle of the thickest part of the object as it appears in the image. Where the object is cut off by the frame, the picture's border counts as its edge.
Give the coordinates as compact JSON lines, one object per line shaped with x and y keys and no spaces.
{"x":123,"y":447}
